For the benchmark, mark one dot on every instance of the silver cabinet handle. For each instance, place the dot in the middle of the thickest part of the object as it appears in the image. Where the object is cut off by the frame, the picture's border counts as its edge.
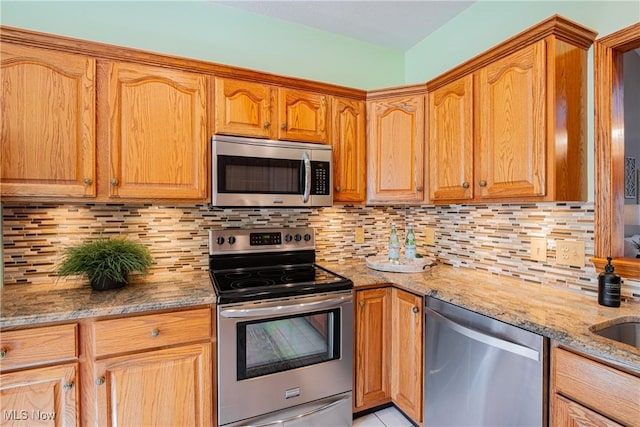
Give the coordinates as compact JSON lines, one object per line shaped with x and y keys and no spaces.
{"x":482,"y":183}
{"x":100,"y":380}
{"x":465,"y":184}
{"x":415,"y":309}
{"x":267,"y":124}
{"x":68,"y":386}
{"x":87,"y":181}
{"x":283,"y":126}
{"x":473,"y":334}
{"x":155,"y":332}
{"x":113,"y":181}
{"x":419,"y":188}
{"x":3,"y":352}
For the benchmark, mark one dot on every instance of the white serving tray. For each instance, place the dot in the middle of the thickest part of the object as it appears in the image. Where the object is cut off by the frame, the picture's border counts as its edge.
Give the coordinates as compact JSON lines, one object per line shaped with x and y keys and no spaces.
{"x":415,"y":265}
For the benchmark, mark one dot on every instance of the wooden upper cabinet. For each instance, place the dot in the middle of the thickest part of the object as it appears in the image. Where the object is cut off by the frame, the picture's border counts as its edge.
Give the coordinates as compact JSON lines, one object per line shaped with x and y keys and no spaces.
{"x":395,"y":147}
{"x":511,"y":122}
{"x":261,"y":110}
{"x":450,"y":143}
{"x":302,"y":116}
{"x":243,"y":108}
{"x":157,"y":131}
{"x":47,"y":125}
{"x":348,"y":139}
{"x":511,"y":113}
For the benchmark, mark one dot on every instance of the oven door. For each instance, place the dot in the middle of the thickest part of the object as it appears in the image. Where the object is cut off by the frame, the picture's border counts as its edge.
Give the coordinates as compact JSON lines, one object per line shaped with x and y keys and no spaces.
{"x":255,"y":172}
{"x":280,"y":353}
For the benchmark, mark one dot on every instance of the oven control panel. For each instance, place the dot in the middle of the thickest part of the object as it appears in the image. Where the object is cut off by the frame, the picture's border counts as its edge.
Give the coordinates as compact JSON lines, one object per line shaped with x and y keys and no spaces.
{"x":236,"y":240}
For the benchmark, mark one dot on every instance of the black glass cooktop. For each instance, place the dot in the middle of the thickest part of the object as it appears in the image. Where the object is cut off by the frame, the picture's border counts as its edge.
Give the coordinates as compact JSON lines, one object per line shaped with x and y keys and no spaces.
{"x":246,"y":284}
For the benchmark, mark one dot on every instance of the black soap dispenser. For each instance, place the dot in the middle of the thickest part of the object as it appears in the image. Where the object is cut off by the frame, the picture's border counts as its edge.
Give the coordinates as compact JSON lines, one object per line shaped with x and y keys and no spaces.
{"x":609,"y":286}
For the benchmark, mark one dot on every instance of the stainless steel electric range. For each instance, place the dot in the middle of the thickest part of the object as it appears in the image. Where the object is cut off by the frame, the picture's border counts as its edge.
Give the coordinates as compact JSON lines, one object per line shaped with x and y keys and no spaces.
{"x":284,"y":330}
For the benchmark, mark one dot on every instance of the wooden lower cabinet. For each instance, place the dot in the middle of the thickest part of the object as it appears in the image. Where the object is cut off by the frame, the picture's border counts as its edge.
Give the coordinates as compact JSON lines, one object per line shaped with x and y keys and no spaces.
{"x":40,"y":396}
{"x":170,"y":387}
{"x":152,"y":369}
{"x":586,"y":392}
{"x":372,"y":348}
{"x":569,"y":413}
{"x":406,"y":352}
{"x":388,"y":350}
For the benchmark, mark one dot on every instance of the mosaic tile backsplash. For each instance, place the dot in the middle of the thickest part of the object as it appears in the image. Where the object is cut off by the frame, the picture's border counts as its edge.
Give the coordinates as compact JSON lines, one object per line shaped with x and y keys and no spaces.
{"x":493,"y":237}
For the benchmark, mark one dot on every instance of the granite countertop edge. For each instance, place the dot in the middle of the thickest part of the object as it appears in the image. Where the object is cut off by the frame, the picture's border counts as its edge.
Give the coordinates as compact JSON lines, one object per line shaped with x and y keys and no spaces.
{"x":558,"y":313}
{"x":561,"y":314}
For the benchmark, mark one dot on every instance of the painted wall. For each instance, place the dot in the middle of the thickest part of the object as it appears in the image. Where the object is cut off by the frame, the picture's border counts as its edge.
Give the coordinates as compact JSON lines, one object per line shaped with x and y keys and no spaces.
{"x":487,"y":23}
{"x":212,"y":32}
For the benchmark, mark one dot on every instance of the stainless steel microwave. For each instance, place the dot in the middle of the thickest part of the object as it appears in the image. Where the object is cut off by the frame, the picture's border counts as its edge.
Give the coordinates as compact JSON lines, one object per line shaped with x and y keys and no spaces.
{"x":266,"y":173}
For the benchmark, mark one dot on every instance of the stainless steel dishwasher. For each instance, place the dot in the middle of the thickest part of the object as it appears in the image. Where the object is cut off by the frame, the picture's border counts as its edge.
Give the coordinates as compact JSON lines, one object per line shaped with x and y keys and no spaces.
{"x":482,"y":372}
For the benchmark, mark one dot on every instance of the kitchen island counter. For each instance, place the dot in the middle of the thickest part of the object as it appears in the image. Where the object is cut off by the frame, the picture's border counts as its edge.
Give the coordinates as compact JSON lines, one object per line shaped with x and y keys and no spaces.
{"x":559,"y":313}
{"x":65,"y":300}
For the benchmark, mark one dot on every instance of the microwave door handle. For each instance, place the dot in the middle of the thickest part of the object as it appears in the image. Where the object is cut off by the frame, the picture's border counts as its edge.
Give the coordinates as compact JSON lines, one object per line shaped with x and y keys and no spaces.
{"x":307,"y":177}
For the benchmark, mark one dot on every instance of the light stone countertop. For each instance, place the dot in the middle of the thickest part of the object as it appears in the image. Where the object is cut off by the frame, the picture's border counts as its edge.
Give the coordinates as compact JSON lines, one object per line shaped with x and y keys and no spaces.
{"x":26,"y":305}
{"x":558,"y":313}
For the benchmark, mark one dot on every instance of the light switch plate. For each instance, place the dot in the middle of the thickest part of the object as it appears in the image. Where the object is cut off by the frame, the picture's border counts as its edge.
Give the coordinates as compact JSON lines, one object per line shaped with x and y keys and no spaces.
{"x":570,"y":253}
{"x":430,"y":236}
{"x":359,"y":237}
{"x":539,"y":249}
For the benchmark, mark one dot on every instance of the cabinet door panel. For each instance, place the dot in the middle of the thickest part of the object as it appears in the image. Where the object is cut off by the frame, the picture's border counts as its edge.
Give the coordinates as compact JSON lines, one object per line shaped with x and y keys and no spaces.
{"x":512,"y":125}
{"x":406,"y":351}
{"x":243,"y":108}
{"x":349,"y":141}
{"x":170,"y":387}
{"x":40,"y":397}
{"x":158,"y":132}
{"x":451,"y":141}
{"x":396,"y":149}
{"x":373,"y":353}
{"x":302,"y":116}
{"x":568,"y":413}
{"x":48,"y":140}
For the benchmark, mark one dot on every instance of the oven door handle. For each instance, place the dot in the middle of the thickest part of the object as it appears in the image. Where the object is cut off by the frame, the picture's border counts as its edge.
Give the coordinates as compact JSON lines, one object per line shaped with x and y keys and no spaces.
{"x":304,"y":307}
{"x":299,"y":417}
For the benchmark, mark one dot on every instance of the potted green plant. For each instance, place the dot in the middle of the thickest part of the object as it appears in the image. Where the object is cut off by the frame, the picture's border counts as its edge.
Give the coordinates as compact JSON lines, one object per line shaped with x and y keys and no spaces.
{"x":106,"y":262}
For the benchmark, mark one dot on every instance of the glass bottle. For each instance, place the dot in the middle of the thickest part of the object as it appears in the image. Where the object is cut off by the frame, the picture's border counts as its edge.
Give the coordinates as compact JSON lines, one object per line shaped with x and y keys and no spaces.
{"x":394,"y":245}
{"x":410,"y":244}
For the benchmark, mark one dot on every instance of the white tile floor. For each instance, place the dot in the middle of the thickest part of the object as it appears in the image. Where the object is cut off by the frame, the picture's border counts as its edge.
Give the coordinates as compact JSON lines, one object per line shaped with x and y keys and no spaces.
{"x":388,"y":417}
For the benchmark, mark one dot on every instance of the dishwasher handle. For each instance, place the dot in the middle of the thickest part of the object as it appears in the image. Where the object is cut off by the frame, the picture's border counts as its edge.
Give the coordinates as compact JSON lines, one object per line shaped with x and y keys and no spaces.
{"x":484,"y":338}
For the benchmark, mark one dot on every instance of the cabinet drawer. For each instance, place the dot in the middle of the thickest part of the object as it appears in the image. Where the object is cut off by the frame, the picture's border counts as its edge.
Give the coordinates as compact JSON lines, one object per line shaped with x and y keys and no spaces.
{"x":113,"y":336}
{"x":28,"y":347}
{"x":610,"y":392}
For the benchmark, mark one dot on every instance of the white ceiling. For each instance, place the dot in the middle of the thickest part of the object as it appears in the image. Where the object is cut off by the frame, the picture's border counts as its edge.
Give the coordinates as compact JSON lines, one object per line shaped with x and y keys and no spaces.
{"x":394,"y":24}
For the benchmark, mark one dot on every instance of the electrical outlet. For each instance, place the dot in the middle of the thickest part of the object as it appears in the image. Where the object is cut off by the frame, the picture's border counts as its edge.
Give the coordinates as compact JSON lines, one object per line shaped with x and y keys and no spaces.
{"x":539,"y":249}
{"x":430,"y":236}
{"x":359,"y":235}
{"x":570,"y":253}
